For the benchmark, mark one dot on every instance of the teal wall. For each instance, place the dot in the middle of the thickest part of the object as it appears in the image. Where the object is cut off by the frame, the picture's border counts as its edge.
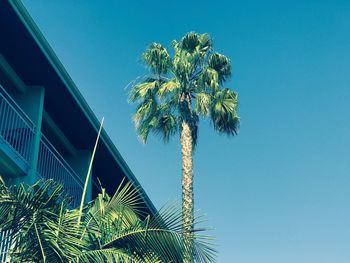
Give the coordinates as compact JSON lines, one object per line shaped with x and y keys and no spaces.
{"x":80,"y":163}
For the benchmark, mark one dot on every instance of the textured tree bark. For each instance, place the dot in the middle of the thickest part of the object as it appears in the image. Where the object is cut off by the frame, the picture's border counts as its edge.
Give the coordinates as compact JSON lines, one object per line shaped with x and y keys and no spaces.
{"x":187,"y":190}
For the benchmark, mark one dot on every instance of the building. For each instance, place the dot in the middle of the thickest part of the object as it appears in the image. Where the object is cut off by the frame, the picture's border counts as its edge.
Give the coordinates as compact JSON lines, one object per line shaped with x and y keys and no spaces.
{"x":47,"y":130}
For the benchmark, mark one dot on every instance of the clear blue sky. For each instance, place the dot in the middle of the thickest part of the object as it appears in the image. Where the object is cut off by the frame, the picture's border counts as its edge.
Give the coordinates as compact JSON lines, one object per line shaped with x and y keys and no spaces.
{"x":280,"y":191}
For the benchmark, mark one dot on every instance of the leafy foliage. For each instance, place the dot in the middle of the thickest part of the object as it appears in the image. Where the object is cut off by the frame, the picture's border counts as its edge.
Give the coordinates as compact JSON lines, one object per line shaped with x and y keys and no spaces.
{"x":113,"y":229}
{"x":40,"y":223}
{"x":184,"y":87}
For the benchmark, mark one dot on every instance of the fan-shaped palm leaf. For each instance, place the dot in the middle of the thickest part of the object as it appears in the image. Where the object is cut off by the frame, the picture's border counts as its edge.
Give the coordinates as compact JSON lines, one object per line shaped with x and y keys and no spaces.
{"x":221,"y":65}
{"x":156,"y":57}
{"x":223,"y":112}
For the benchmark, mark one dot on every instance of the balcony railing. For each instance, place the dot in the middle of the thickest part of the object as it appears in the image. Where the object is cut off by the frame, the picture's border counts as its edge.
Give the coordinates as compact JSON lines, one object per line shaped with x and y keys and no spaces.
{"x":16,"y":129}
{"x":51,"y":165}
{"x":17,"y":132}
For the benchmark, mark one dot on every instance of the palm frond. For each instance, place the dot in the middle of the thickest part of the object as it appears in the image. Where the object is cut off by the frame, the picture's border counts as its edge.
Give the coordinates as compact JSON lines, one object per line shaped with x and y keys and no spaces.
{"x":26,"y":201}
{"x":205,"y":44}
{"x":107,"y":255}
{"x":209,"y":78}
{"x":146,"y":126}
{"x":161,"y":235}
{"x":167,"y":126}
{"x":162,"y":122}
{"x":224,"y":112}
{"x":221,"y":64}
{"x":190,"y":42}
{"x":141,"y":90}
{"x":145,"y":110}
{"x":126,"y":198}
{"x":203,"y":101}
{"x":168,"y":88}
{"x":6,"y":204}
{"x":157,"y":59}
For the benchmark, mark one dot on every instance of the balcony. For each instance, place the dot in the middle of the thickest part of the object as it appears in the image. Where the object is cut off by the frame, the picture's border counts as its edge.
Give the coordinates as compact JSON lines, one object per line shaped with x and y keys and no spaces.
{"x":17,"y":139}
{"x":51,"y":165}
{"x":16,"y":132}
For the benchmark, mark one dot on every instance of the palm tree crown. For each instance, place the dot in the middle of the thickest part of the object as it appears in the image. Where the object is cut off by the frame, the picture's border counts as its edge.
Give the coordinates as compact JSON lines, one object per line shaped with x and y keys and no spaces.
{"x":183,"y":88}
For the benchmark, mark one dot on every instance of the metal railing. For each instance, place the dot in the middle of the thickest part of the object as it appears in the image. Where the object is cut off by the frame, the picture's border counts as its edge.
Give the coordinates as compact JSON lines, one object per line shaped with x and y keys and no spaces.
{"x":16,"y":129}
{"x":51,"y":165}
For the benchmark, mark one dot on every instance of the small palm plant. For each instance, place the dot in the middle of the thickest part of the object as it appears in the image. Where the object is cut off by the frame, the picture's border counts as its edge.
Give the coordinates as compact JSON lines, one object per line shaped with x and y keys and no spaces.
{"x":38,"y":223}
{"x":42,"y":228}
{"x":178,"y":91}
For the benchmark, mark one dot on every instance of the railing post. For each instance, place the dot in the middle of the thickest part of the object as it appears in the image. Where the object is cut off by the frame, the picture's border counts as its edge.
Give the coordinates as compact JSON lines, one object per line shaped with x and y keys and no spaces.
{"x":32,"y":102}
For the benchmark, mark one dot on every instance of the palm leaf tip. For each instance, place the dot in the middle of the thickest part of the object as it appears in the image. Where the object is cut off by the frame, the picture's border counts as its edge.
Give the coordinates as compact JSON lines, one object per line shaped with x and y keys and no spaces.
{"x":203,"y":101}
{"x":168,"y":126}
{"x":224,"y":112}
{"x":142,"y":90}
{"x":205,"y":42}
{"x":157,"y":58}
{"x":194,"y":42}
{"x":145,"y":126}
{"x":190,"y":41}
{"x":168,"y":87}
{"x":221,"y":64}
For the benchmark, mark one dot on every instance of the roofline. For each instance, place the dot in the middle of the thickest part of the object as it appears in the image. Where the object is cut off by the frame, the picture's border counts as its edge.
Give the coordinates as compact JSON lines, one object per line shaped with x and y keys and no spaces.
{"x":43,"y":44}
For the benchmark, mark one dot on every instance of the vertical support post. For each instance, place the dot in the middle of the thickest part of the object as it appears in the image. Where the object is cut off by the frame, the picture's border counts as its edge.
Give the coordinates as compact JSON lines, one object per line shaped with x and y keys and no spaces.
{"x":32,"y":102}
{"x":80,"y":164}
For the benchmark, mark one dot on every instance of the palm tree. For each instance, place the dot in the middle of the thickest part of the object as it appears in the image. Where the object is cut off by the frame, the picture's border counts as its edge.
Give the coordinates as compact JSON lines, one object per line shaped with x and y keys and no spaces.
{"x":41,"y":227}
{"x":178,"y":91}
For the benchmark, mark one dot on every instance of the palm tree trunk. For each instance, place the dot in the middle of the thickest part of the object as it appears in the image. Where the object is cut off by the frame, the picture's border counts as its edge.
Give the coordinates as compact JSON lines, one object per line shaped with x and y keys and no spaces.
{"x":187,"y":190}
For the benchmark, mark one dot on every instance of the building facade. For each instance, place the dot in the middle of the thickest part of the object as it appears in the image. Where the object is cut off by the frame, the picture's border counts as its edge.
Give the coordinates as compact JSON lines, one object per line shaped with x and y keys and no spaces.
{"x":47,"y":130}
